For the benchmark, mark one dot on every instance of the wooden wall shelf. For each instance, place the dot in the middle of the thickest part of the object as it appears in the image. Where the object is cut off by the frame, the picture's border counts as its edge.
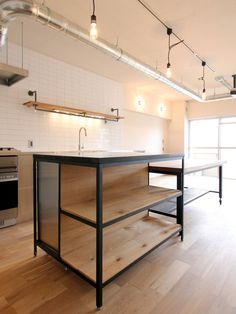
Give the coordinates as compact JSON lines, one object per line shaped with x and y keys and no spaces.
{"x":71,"y":111}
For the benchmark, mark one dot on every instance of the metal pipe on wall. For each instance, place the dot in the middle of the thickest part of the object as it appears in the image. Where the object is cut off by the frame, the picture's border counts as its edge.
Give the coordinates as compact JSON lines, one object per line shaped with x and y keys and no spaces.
{"x":10,"y":10}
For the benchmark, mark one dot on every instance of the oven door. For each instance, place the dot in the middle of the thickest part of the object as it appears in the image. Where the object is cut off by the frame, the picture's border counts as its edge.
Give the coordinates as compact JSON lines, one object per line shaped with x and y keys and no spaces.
{"x":8,"y":193}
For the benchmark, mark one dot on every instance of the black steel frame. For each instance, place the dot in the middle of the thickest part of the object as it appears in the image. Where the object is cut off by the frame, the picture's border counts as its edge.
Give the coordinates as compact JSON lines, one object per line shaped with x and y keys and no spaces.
{"x":99,"y":225}
{"x":179,"y":200}
{"x":177,"y":172}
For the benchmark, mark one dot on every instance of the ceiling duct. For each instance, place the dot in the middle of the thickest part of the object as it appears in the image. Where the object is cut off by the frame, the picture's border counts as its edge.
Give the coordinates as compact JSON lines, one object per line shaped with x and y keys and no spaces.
{"x":10,"y":10}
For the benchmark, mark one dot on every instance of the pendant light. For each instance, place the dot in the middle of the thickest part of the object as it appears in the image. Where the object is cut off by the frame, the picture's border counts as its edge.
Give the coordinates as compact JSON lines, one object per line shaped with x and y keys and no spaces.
{"x":203,"y":81}
{"x":168,"y":71}
{"x":93,"y":27}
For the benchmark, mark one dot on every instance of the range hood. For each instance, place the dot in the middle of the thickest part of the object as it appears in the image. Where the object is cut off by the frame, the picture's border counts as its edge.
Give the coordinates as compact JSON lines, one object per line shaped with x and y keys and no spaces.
{"x":10,"y":74}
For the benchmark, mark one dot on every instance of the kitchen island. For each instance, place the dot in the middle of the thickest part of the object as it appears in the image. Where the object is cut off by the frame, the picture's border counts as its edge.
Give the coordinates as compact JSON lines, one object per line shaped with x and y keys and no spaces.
{"x":91,"y":211}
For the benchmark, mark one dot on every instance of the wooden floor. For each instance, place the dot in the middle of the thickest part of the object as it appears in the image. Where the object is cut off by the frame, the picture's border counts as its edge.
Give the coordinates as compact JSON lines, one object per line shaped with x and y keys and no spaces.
{"x":197,"y":276}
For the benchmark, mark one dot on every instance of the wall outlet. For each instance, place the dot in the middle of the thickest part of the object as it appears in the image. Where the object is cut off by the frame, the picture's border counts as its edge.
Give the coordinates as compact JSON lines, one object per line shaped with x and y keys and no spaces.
{"x":30,"y":143}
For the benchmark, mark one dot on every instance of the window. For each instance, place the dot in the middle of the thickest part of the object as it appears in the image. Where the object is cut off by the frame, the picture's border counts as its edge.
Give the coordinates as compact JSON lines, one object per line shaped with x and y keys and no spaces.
{"x":204,"y":133}
{"x":214,"y":139}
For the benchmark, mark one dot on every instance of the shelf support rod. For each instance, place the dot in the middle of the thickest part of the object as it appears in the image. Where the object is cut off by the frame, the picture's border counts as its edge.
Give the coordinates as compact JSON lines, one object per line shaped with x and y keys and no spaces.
{"x":117,"y":113}
{"x":33,"y":93}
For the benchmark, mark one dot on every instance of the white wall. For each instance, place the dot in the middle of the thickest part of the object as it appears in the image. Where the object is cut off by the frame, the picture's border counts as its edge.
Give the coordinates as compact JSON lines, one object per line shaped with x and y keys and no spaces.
{"x":143,"y":131}
{"x":63,"y":84}
{"x":177,"y":128}
{"x":57,"y":83}
{"x":223,"y":108}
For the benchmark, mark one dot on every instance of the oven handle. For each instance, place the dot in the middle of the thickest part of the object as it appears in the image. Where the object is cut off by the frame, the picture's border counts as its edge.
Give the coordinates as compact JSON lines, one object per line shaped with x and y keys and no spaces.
{"x":8,"y":180}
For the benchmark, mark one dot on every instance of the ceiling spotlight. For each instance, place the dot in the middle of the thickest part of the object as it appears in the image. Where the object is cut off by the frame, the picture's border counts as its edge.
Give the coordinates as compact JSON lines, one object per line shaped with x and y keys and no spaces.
{"x":93,"y":27}
{"x":168,"y":71}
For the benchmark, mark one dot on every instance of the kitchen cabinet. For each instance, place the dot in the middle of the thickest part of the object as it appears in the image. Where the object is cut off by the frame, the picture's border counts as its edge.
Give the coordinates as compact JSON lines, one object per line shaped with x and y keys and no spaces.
{"x":25,"y":187}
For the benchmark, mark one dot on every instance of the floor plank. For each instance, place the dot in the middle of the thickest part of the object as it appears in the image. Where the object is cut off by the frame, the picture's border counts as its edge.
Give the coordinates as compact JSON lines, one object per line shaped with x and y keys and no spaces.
{"x":194,"y":277}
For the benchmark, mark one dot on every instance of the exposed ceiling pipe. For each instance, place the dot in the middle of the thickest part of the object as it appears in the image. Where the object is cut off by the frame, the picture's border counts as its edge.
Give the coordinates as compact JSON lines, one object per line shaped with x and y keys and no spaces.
{"x":219,"y":97}
{"x":10,"y":10}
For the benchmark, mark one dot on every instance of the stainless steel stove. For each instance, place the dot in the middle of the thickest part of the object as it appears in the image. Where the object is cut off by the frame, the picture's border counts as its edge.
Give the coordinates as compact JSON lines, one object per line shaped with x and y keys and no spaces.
{"x":8,"y":186}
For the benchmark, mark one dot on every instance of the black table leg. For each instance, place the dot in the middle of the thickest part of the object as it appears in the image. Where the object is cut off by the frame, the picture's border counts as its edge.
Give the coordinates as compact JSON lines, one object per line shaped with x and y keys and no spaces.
{"x":180,"y":200}
{"x":220,"y":183}
{"x":35,"y":205}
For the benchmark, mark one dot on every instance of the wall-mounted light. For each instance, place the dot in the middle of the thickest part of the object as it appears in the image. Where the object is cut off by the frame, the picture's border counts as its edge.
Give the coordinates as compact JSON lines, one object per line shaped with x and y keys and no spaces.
{"x":162,"y":109}
{"x":93,"y":27}
{"x":140,"y":102}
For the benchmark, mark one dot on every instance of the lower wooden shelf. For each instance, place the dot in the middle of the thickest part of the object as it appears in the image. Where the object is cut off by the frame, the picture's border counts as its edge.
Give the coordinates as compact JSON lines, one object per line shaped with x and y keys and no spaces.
{"x":123,"y":243}
{"x":190,"y":195}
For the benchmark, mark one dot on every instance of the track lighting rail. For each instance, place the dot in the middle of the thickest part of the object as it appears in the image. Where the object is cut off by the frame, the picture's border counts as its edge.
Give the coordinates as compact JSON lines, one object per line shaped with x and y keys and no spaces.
{"x":149,"y":9}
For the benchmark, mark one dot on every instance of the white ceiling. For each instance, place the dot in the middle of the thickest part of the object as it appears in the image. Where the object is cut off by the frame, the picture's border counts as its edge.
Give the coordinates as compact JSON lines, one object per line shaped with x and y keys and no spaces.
{"x":208,"y":26}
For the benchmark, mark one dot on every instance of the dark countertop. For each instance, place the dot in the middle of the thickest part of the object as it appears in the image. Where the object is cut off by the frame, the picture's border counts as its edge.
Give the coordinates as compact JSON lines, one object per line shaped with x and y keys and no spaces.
{"x":104,"y":157}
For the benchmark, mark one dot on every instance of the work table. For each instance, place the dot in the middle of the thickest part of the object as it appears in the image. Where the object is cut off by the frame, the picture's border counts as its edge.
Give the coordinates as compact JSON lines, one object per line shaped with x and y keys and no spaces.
{"x":190,"y":165}
{"x":92,"y":211}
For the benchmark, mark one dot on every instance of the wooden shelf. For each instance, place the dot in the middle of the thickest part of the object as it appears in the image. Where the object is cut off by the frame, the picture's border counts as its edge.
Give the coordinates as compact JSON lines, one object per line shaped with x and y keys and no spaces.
{"x":120,"y":204}
{"x":123,"y":243}
{"x":71,"y":111}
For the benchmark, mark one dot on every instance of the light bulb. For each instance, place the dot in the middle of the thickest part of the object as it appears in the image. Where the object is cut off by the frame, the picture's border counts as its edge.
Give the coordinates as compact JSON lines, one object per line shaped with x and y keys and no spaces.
{"x":93,"y":28}
{"x":204,"y":94}
{"x":168,"y":71}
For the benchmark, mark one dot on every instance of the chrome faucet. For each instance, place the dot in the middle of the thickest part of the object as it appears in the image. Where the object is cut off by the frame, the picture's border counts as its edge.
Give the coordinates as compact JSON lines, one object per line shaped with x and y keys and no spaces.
{"x":85,"y":133}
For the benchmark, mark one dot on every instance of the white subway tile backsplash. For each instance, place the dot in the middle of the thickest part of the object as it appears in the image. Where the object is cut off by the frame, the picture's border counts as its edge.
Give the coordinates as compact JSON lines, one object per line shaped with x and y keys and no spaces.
{"x":62,"y":84}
